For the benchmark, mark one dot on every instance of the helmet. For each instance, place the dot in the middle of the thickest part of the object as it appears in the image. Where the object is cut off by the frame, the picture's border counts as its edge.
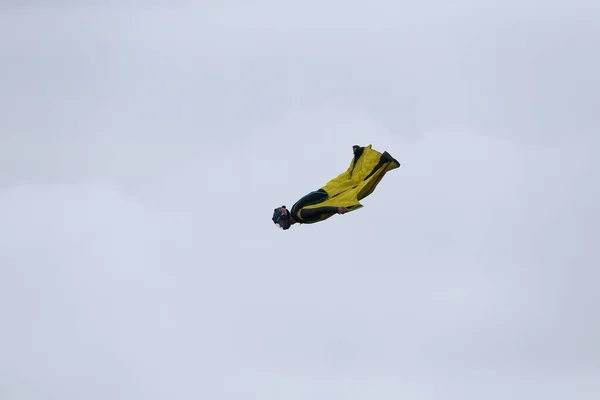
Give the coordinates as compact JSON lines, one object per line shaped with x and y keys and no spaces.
{"x":281,"y":213}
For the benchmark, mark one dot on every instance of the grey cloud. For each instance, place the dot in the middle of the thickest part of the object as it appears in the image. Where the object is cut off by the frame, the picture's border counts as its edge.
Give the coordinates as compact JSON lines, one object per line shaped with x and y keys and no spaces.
{"x":141,"y":159}
{"x":121,"y":82}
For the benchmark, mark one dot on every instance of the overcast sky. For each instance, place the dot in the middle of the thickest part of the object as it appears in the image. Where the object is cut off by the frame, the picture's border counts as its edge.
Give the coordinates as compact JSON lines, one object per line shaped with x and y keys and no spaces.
{"x":144,"y":148}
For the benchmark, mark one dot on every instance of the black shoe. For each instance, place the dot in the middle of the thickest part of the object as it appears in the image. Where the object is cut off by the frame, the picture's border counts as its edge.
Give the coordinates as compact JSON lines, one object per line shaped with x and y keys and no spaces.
{"x":387,"y":157}
{"x":357,"y":150}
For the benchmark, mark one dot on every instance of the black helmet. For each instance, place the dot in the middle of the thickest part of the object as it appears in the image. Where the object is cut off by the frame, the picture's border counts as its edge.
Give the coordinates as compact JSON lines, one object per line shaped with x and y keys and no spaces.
{"x":280,"y":213}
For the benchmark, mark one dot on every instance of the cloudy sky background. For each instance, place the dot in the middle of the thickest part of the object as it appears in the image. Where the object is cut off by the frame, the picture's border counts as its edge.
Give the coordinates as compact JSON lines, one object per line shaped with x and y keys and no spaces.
{"x":143,"y":149}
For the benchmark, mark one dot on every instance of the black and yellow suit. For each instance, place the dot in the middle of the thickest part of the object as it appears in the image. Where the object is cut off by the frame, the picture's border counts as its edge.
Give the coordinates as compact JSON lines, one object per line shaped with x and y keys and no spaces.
{"x":367,"y":168}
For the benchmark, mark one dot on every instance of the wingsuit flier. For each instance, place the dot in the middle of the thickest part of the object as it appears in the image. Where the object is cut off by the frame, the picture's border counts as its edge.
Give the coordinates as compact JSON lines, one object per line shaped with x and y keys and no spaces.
{"x":342,"y":193}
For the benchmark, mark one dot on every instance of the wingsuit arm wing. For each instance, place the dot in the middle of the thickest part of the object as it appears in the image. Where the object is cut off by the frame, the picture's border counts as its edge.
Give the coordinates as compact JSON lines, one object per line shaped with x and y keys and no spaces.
{"x":312,"y":213}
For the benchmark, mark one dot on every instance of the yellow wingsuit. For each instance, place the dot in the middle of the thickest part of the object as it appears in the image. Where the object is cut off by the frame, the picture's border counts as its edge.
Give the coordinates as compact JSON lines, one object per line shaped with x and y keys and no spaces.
{"x":348,"y":188}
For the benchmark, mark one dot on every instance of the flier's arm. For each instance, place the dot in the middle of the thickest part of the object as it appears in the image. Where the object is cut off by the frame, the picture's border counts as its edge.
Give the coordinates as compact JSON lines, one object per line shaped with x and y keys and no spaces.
{"x":317,"y":212}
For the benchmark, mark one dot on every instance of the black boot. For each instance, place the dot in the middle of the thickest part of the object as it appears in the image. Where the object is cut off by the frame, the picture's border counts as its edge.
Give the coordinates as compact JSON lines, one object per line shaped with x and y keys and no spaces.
{"x":387,"y":157}
{"x":358,"y":150}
